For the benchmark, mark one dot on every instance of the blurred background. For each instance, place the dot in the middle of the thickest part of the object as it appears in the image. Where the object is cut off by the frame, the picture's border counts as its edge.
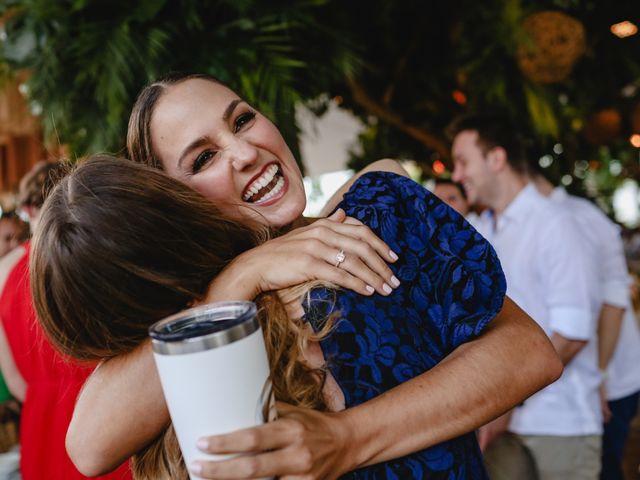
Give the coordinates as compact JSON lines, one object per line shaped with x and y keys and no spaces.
{"x":347,"y":82}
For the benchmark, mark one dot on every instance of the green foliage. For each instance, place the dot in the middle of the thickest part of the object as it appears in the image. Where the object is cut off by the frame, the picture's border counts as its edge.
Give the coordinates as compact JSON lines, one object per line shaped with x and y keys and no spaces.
{"x":540,"y":108}
{"x":89,"y":58}
{"x":400,"y":68}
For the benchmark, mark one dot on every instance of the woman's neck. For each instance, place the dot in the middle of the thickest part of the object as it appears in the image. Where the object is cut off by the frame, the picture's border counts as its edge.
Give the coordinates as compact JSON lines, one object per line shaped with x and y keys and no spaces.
{"x":297,"y":223}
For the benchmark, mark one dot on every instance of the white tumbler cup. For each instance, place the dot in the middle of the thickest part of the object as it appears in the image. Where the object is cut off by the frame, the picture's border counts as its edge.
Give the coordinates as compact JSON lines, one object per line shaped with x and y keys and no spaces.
{"x":214,"y":372}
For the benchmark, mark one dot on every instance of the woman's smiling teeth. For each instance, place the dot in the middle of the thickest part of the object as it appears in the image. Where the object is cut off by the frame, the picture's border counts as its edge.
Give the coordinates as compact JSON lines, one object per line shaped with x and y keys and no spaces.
{"x":264,"y":187}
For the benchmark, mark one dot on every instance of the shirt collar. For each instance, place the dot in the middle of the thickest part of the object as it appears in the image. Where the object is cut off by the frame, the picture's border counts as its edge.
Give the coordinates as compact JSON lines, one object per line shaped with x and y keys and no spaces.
{"x":521,"y":205}
{"x":559,"y":194}
{"x":517,"y":210}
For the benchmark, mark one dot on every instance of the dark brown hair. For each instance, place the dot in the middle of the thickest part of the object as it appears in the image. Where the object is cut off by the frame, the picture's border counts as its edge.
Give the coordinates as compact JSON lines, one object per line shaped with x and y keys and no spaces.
{"x":35,"y":185}
{"x":139,"y":146}
{"x":447,"y":181}
{"x":121,"y":245}
{"x":494,"y":131}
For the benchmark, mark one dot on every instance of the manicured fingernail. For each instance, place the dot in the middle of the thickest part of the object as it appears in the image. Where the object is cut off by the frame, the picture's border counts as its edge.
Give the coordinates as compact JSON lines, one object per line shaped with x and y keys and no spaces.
{"x":370,"y":289}
{"x":386,"y":288}
{"x":202,"y":443}
{"x":393,"y":255}
{"x":196,"y":468}
{"x":395,"y":282}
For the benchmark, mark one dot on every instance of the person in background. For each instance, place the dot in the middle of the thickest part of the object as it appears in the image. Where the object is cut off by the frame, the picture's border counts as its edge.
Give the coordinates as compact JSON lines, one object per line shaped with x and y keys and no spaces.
{"x":46,"y":382}
{"x":13,"y":232}
{"x":547,"y":271}
{"x":452,"y":194}
{"x":8,"y":231}
{"x":618,"y":333}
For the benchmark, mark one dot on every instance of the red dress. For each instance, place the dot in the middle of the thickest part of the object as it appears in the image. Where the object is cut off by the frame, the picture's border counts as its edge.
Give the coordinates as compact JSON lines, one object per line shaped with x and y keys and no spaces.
{"x":53,"y":383}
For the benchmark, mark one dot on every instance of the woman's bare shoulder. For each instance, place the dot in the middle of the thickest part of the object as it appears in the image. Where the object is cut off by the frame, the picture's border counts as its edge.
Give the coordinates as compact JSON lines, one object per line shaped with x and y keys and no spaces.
{"x":383,"y":165}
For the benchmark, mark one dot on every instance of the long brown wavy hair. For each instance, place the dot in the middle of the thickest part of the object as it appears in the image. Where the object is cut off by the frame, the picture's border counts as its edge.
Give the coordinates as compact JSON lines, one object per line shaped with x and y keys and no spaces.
{"x":121,"y":245}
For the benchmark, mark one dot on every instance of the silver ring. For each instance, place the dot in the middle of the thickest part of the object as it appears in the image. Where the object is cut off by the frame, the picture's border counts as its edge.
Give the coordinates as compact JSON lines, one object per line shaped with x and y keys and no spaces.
{"x":340,"y":256}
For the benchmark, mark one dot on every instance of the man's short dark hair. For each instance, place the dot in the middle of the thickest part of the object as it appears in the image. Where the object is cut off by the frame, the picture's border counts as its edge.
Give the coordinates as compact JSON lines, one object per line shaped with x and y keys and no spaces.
{"x":494,"y":131}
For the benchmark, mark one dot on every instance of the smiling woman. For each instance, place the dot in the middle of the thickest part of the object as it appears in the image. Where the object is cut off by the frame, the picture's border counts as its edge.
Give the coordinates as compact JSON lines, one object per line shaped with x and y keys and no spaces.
{"x":226,"y":153}
{"x":201,"y":133}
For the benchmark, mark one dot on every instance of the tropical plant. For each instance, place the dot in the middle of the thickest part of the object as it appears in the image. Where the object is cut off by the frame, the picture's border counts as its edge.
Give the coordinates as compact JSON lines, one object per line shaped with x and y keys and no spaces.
{"x":88,"y":59}
{"x":405,"y":68}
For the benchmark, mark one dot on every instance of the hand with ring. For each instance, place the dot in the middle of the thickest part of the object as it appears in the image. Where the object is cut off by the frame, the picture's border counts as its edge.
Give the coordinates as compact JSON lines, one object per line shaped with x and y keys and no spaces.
{"x":309,"y":253}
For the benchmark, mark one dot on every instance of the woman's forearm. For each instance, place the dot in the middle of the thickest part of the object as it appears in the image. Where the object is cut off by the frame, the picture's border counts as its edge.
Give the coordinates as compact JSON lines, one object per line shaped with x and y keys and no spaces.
{"x":609,"y":326}
{"x":121,"y":408}
{"x":119,"y":411}
{"x":476,"y":383}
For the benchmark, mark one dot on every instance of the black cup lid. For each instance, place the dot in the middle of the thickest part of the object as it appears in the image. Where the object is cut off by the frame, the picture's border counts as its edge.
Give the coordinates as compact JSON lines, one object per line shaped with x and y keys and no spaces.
{"x":204,"y":327}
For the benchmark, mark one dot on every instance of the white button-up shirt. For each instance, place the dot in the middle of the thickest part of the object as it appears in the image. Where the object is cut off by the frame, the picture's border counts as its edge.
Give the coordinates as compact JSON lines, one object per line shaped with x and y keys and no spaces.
{"x":603,"y":238}
{"x":547,"y":272}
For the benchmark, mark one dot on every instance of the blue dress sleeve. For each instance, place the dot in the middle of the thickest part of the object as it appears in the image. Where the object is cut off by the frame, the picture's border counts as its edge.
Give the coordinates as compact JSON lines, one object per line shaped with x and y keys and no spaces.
{"x":447,"y":269}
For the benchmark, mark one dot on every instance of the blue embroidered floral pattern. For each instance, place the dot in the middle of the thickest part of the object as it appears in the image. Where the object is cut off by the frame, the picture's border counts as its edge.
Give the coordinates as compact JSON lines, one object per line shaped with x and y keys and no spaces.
{"x":452,"y":286}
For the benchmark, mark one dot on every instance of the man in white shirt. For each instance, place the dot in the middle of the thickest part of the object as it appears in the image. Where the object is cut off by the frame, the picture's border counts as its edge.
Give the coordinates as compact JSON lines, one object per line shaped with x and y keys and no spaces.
{"x":618,"y":332}
{"x":548,"y":275}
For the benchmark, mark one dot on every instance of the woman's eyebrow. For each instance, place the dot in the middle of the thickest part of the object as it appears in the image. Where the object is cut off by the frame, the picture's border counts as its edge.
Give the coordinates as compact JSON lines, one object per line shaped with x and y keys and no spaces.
{"x":197,"y":143}
{"x":205,"y":139}
{"x":230,"y":108}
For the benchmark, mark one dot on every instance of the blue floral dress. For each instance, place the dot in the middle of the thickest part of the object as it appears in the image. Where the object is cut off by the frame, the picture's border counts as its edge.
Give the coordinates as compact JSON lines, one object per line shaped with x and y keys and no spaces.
{"x":452,"y":286}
